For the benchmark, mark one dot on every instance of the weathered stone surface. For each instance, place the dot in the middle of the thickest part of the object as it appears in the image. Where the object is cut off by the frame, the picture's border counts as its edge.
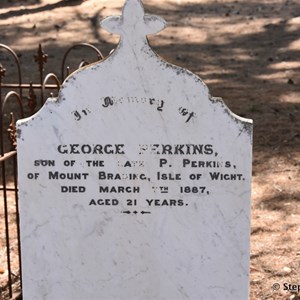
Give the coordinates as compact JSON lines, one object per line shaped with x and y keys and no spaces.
{"x":135,"y":182}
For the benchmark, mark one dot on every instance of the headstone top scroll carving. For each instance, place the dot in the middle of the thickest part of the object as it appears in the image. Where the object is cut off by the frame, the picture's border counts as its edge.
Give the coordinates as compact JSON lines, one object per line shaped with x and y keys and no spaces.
{"x":133,"y":24}
{"x":138,"y":185}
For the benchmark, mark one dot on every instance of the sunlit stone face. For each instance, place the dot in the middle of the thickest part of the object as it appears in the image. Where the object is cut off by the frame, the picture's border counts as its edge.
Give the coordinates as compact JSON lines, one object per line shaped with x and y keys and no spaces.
{"x":138,"y":186}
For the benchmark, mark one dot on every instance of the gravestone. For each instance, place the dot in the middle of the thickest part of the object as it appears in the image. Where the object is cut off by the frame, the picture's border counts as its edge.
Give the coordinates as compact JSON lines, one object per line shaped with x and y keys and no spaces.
{"x":134,"y":182}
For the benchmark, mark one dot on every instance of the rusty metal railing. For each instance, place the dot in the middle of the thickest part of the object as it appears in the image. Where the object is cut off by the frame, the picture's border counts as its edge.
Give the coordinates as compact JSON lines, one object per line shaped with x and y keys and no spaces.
{"x":18,"y":100}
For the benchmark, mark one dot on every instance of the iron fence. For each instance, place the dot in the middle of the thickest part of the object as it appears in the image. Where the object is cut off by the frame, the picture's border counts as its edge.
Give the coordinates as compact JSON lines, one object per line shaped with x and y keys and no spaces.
{"x":19,"y":99}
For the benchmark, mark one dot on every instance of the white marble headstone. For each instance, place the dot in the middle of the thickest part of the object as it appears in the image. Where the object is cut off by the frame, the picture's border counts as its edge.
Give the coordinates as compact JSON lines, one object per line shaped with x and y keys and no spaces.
{"x":134,"y":182}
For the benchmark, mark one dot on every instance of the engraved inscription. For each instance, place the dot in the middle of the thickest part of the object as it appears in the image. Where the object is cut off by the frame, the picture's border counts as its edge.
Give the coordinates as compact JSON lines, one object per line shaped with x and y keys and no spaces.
{"x":170,"y":175}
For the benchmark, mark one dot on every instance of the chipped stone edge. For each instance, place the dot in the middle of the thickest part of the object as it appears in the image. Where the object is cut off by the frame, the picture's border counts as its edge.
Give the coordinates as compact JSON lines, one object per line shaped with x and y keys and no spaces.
{"x":246,"y":123}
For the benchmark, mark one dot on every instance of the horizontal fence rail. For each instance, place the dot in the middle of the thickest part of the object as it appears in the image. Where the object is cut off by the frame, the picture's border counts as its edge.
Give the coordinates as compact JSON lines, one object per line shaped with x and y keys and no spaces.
{"x":19,"y":99}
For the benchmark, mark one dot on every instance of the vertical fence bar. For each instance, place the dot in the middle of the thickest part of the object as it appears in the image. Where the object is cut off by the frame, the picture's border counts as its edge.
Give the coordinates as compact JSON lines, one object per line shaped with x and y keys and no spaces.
{"x":2,"y":74}
{"x":17,"y":217}
{"x":12,"y":138}
{"x":3,"y":170}
{"x":6,"y":221}
{"x":6,"y":228}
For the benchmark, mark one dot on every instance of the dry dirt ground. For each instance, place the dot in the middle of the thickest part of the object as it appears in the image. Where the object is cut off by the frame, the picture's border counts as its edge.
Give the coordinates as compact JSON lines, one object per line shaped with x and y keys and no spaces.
{"x":248,"y":53}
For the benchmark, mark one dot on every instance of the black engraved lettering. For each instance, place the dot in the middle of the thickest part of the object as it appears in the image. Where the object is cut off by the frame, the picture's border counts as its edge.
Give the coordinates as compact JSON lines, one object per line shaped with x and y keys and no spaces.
{"x":107,"y":102}
{"x":159,"y":108}
{"x":77,"y":115}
